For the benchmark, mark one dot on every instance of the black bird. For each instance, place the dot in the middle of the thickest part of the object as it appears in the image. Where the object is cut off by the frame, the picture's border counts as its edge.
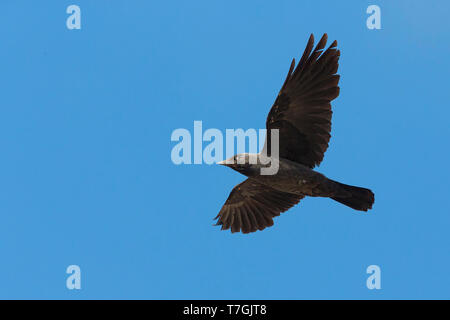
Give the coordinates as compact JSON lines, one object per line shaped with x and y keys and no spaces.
{"x":302,"y":115}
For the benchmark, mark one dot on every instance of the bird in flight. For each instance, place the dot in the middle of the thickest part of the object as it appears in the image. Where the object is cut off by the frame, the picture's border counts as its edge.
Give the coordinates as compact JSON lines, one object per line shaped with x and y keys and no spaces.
{"x":301,"y":114}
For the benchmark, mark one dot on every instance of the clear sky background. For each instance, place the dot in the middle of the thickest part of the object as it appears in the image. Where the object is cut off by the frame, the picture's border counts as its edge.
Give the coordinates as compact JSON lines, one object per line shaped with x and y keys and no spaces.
{"x":86,"y":176}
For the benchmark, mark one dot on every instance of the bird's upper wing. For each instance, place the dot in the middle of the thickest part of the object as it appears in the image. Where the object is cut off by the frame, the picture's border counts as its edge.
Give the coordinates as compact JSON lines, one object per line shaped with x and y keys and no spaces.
{"x":251,"y":206}
{"x":302,"y":110}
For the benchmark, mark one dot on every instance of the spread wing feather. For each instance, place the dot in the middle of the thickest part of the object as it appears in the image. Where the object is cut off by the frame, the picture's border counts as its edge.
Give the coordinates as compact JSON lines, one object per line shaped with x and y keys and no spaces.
{"x":251,"y":206}
{"x":302,"y":110}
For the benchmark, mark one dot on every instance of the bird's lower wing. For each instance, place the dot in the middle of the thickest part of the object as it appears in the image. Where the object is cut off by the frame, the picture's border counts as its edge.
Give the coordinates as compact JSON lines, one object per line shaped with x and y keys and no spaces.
{"x":251,"y":206}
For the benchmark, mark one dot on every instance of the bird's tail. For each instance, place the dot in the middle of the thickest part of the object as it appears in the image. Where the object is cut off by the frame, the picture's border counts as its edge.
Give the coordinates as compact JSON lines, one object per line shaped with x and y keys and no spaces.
{"x":354,"y":197}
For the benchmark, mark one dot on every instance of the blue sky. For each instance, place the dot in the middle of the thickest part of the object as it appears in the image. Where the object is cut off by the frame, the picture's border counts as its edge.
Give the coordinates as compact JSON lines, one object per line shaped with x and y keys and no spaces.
{"x":87,"y":179}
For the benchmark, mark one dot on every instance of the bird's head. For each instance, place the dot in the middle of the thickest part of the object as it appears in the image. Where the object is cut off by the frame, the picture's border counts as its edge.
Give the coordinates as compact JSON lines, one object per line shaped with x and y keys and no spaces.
{"x":246,"y":163}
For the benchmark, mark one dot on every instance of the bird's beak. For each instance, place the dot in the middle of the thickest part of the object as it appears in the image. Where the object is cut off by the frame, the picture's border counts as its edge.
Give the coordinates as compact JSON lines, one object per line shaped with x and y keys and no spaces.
{"x":227,"y":163}
{"x":223,"y":162}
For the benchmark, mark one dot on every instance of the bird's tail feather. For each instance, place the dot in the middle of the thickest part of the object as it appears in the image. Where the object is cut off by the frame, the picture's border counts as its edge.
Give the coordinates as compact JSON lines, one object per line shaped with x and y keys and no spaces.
{"x":355,"y":197}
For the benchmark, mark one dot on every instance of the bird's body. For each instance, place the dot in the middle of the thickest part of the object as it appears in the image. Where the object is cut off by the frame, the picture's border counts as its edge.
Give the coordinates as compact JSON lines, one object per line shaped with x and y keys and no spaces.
{"x":291,"y":177}
{"x":301,"y":115}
